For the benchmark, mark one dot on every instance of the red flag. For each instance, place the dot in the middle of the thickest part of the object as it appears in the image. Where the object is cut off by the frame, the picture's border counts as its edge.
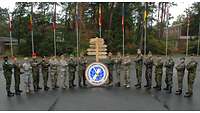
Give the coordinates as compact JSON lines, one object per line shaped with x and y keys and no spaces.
{"x":100,"y":16}
{"x":30,"y":24}
{"x":123,"y":18}
{"x":10,"y":24}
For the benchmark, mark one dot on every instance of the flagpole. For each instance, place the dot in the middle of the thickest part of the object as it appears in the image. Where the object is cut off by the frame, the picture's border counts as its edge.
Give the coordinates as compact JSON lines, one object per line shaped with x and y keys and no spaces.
{"x":198,"y":41}
{"x":145,"y":30}
{"x":187,"y":43}
{"x":123,"y":27}
{"x":167,"y":32}
{"x":32,"y":41}
{"x":77,"y":31}
{"x":54,"y":30}
{"x":11,"y":41}
{"x":100,"y":21}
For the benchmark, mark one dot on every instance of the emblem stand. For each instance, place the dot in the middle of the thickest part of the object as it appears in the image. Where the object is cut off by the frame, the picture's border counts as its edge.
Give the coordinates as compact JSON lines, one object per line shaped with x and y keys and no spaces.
{"x":97,"y":73}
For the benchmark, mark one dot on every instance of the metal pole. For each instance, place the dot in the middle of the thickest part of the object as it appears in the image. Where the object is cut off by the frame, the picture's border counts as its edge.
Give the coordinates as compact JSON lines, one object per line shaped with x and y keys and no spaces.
{"x":167,"y":32}
{"x":54,"y":31}
{"x":187,"y":43}
{"x":145,"y":33}
{"x":198,"y":41}
{"x":77,"y":31}
{"x":123,"y":29}
{"x":32,"y":41}
{"x":11,"y":44}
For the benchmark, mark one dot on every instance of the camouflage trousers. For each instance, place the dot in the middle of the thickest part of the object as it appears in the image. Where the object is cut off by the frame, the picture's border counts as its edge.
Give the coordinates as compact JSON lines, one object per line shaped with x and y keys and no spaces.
{"x":148,"y":76}
{"x":81,"y":77}
{"x":45,"y":77}
{"x":8,"y":77}
{"x":180,"y":76}
{"x":27,"y":81}
{"x":36,"y":79}
{"x":127,"y":77}
{"x":139,"y":74}
{"x":64,"y":78}
{"x":54,"y":78}
{"x":17,"y":81}
{"x":158,"y":79}
{"x":118,"y":76}
{"x":191,"y":79}
{"x":168,"y":79}
{"x":71,"y":78}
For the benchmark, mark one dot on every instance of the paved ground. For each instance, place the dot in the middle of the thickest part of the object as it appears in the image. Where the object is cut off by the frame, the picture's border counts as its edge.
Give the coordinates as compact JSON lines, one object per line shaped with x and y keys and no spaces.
{"x":101,"y":98}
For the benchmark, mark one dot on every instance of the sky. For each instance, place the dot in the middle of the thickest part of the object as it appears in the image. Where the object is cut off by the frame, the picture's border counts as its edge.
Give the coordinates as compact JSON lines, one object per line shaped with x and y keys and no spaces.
{"x":175,"y":11}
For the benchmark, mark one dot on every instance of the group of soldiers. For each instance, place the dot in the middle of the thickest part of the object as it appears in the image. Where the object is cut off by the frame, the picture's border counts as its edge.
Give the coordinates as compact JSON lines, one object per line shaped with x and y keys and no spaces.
{"x":66,"y":69}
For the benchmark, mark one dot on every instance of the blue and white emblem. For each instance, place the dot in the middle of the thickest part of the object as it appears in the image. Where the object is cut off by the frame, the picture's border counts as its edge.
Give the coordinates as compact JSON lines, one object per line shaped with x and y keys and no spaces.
{"x":96,"y":73}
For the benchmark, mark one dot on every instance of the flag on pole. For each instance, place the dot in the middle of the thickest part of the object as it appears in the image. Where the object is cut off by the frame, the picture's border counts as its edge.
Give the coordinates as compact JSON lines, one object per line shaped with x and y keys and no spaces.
{"x":30,"y":23}
{"x":54,"y":19}
{"x":123,"y":18}
{"x":10,"y":23}
{"x":100,"y":15}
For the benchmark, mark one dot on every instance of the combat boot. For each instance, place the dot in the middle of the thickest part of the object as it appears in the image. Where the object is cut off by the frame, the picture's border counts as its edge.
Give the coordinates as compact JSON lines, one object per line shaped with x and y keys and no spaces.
{"x":39,"y":88}
{"x":169,"y":90}
{"x":127,"y":86}
{"x":117,"y":84}
{"x":155,"y":87}
{"x":188,"y":94}
{"x":178,"y":92}
{"x":10,"y":94}
{"x":20,"y":91}
{"x":17,"y":93}
{"x":138,"y":86}
{"x":166,"y":88}
{"x":146,"y":85}
{"x":158,"y":88}
{"x":46,"y":88}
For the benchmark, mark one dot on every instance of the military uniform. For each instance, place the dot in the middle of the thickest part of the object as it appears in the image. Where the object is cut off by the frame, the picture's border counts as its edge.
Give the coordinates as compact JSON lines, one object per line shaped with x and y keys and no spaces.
{"x":191,"y":68}
{"x":110,"y":64}
{"x":7,"y":70}
{"x":138,"y":67}
{"x":169,"y":65}
{"x":117,"y":64}
{"x":63,"y":72}
{"x":158,"y":74}
{"x":127,"y":63}
{"x":54,"y":72}
{"x":180,"y":75}
{"x":82,"y":62}
{"x":35,"y":74}
{"x":72,"y":69}
{"x":45,"y":72}
{"x":148,"y":73}
{"x":27,"y":73}
{"x":17,"y":74}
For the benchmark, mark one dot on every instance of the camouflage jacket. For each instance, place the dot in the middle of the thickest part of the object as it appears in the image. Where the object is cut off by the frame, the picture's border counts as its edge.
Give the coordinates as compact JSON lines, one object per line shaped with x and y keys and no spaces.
{"x":72,"y":65}
{"x":139,"y":61}
{"x":16,"y":67}
{"x":7,"y":67}
{"x":82,"y":63}
{"x":159,"y":67}
{"x":192,"y":67}
{"x":169,"y":64}
{"x":180,"y":67}
{"x":45,"y":65}
{"x":149,"y":63}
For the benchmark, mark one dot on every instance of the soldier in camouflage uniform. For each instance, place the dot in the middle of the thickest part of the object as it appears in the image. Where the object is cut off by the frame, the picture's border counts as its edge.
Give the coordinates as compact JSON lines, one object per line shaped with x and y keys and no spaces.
{"x":117,"y":64}
{"x":158,"y":73}
{"x":110,"y":64}
{"x":169,"y":65}
{"x":35,"y":73}
{"x":27,"y":73}
{"x":148,"y":73}
{"x":138,"y":67}
{"x":54,"y":72}
{"x":82,"y":62}
{"x":63,"y":71}
{"x":191,"y":68}
{"x":72,"y":69}
{"x":180,"y":75}
{"x":17,"y":74}
{"x":7,"y":70}
{"x":45,"y":72}
{"x":126,"y":64}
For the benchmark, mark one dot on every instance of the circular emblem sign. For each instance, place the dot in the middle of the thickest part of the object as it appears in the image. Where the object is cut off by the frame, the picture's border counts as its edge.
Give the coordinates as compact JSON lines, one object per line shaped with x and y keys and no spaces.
{"x":96,"y":73}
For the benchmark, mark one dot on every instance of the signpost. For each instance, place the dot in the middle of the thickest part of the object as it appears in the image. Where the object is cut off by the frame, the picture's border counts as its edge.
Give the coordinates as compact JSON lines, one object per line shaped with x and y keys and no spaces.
{"x":98,"y":48}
